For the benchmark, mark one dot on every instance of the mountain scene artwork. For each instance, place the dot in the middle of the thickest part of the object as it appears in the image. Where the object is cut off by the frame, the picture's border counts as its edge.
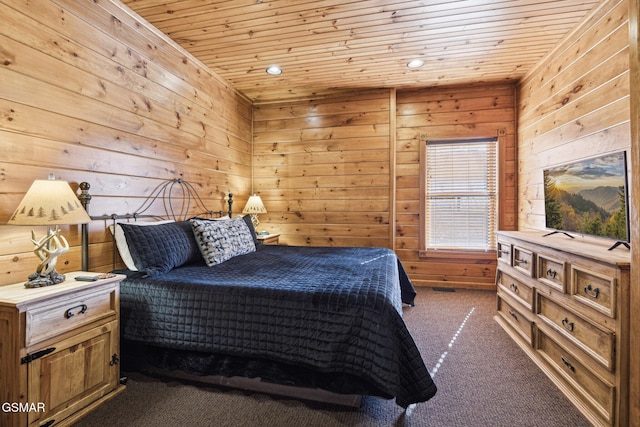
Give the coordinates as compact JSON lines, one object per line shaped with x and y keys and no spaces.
{"x":588,"y":197}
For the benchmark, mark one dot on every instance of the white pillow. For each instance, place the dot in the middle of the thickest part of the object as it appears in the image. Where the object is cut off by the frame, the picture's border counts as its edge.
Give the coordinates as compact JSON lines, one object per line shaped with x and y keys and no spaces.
{"x":123,"y":246}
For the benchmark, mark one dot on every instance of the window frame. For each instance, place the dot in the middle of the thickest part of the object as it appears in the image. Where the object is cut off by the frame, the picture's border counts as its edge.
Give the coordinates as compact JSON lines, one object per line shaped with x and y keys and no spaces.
{"x":426,"y":251}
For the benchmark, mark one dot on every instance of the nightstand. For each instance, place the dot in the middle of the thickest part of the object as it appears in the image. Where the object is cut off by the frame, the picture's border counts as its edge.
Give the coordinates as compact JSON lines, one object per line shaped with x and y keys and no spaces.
{"x":60,"y":350}
{"x":269,"y":239}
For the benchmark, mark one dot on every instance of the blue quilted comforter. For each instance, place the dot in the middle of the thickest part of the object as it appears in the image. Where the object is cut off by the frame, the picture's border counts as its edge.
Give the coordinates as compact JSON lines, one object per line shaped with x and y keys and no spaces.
{"x":334,"y":310}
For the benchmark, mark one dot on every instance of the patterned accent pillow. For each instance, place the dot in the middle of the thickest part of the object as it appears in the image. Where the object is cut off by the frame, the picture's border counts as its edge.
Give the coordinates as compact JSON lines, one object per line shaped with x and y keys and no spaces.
{"x":220,"y":241}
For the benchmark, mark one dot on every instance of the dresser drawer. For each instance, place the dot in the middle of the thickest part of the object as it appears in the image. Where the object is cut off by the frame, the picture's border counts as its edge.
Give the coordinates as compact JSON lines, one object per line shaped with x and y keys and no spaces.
{"x":553,"y":273}
{"x":516,"y":319}
{"x":516,"y":288}
{"x":594,"y":289}
{"x":523,"y":261}
{"x":68,"y":313}
{"x":595,"y":391}
{"x":504,"y":252}
{"x":599,"y":343}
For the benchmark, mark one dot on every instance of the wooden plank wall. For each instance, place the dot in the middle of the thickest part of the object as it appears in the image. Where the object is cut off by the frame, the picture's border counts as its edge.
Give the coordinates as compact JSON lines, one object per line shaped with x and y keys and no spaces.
{"x":444,"y":113}
{"x":91,"y":93}
{"x":634,"y":330}
{"x":322,"y":168}
{"x":634,"y":301}
{"x":574,"y":105}
{"x":336,"y":171}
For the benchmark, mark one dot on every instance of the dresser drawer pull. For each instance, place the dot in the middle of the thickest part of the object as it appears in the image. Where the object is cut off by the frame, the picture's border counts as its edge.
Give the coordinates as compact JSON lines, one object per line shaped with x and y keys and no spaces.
{"x":503,"y":252}
{"x":69,"y":313}
{"x":37,"y":355}
{"x":514,"y":287}
{"x":568,"y":325}
{"x":521,"y":261}
{"x":567,"y":364}
{"x":592,"y":292}
{"x":552,"y":274}
{"x":513,"y":314}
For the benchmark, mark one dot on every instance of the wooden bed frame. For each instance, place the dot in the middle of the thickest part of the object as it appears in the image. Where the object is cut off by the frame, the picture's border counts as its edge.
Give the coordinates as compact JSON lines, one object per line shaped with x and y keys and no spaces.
{"x":164,"y":194}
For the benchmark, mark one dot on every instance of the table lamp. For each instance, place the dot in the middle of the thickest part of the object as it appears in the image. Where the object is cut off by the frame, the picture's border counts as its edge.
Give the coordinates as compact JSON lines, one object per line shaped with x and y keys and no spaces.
{"x":51,"y":203}
{"x":254,"y":207}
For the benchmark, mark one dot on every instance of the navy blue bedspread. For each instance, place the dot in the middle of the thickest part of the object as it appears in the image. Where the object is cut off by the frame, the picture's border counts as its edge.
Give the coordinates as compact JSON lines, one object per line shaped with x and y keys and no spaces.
{"x":335,"y":310}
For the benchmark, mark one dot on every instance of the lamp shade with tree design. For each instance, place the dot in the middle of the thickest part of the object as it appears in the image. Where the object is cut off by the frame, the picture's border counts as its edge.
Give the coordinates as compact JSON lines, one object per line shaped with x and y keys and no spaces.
{"x":49,"y":203}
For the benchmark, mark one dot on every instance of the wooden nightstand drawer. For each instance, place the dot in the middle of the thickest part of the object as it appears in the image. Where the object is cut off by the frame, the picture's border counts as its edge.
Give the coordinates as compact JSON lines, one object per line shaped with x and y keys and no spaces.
{"x":595,"y":290}
{"x":599,"y":343}
{"x":519,"y":290}
{"x":594,"y":390}
{"x":523,"y":261}
{"x":268,"y":239}
{"x":553,"y":273}
{"x":67,"y":313}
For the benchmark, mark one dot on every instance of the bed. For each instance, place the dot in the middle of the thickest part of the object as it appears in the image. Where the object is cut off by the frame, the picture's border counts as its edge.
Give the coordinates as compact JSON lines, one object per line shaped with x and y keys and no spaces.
{"x":203,"y":298}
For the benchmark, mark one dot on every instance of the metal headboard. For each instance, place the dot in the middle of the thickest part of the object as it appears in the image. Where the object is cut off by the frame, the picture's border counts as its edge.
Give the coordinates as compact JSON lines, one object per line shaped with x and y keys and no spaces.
{"x":164,"y":193}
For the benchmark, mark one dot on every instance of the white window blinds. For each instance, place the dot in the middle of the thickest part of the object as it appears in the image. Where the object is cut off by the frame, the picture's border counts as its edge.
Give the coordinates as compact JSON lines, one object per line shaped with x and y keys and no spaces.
{"x":461,"y":194}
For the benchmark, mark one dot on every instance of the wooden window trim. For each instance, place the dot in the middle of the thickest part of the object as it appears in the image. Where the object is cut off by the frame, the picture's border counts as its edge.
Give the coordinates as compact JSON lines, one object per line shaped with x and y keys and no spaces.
{"x":423,"y":251}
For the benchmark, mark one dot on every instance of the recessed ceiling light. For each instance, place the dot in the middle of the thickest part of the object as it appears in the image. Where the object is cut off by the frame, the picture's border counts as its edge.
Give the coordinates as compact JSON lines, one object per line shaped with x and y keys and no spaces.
{"x":274,"y":70}
{"x":415,"y":63}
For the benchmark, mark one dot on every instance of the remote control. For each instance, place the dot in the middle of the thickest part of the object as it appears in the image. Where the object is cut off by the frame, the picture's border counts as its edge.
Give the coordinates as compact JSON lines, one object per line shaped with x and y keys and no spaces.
{"x":87,"y":278}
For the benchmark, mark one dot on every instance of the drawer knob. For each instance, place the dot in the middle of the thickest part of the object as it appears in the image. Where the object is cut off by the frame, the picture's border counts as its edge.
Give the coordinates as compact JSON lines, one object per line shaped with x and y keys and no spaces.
{"x":567,"y":324}
{"x":567,"y":364}
{"x":592,"y":292}
{"x":503,"y":252}
{"x":70,"y":312}
{"x":514,"y":287}
{"x":513,"y":314}
{"x":552,"y":274}
{"x":521,"y":261}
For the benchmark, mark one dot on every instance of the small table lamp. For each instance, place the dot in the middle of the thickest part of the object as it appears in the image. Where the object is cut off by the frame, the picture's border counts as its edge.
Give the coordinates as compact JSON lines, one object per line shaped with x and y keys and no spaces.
{"x":254,"y":207}
{"x":49,"y":202}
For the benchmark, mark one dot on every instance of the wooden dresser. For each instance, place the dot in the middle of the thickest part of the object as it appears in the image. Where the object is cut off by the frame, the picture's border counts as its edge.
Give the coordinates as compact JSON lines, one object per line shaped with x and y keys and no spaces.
{"x":59,"y":350}
{"x":565,"y":302}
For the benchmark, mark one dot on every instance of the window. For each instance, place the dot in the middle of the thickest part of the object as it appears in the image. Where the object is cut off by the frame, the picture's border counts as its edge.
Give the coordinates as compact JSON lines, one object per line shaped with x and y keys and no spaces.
{"x":459,"y":179}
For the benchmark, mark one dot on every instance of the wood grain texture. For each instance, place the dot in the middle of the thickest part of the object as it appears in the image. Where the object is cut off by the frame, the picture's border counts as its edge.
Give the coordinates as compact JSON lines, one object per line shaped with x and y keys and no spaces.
{"x":327,"y":46}
{"x":634,"y":297}
{"x":344,"y":170}
{"x":447,"y":113}
{"x":323,"y":169}
{"x":91,"y":93}
{"x":574,"y":105}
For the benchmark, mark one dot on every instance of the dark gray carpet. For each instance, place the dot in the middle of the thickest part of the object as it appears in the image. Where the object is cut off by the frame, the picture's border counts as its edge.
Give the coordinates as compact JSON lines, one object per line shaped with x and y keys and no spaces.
{"x":483,"y":379}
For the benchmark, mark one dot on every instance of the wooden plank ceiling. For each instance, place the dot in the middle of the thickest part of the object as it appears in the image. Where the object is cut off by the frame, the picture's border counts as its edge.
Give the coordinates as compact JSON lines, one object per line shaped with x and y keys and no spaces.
{"x":325,"y":46}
